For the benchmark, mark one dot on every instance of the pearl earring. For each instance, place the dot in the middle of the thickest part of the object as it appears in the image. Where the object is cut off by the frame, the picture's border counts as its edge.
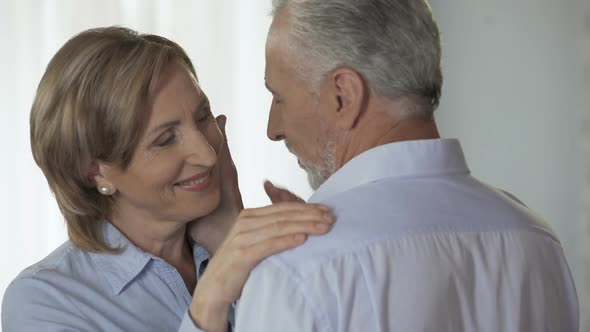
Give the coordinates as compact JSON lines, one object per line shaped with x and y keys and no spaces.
{"x":105,"y":190}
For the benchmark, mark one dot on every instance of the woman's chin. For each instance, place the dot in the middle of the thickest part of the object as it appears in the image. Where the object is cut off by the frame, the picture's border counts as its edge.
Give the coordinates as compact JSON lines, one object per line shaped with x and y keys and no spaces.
{"x":205,"y":205}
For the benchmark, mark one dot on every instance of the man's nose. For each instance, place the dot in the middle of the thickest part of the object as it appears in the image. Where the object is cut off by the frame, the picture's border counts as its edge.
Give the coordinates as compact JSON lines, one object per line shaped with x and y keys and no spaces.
{"x":274,"y":129}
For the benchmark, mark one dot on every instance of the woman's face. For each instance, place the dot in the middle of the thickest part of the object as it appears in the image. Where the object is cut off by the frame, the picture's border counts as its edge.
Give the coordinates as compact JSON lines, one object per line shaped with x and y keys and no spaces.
{"x":173,"y":174}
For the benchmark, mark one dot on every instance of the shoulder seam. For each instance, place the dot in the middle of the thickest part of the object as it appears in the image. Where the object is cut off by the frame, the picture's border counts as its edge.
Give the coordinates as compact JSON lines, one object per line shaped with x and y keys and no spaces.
{"x":33,"y":270}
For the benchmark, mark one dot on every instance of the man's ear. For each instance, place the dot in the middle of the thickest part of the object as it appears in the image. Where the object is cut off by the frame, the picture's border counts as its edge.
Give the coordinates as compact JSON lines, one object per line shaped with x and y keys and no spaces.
{"x":349,"y":95}
{"x":98,"y":176}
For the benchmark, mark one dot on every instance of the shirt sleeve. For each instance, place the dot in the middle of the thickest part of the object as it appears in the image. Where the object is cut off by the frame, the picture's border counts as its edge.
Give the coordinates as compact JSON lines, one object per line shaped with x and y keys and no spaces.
{"x":272,"y":300}
{"x":187,"y":324}
{"x":28,"y":307}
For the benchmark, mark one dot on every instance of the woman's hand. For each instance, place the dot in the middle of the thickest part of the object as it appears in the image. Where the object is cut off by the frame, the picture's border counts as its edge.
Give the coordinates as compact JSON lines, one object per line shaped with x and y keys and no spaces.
{"x":256,"y":234}
{"x":278,"y":195}
{"x":210,"y":230}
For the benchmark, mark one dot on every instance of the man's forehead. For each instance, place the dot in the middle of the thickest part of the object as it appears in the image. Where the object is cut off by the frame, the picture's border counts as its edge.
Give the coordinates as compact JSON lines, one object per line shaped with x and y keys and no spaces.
{"x":279,"y":27}
{"x":275,"y":69}
{"x":281,"y":19}
{"x":273,"y":62}
{"x":273,"y":41}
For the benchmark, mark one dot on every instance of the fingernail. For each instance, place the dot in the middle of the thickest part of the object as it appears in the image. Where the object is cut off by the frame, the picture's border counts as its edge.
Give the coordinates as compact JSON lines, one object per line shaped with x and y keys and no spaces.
{"x":324,"y":208}
{"x":328,"y":217}
{"x":299,"y":237}
{"x":322,"y":227}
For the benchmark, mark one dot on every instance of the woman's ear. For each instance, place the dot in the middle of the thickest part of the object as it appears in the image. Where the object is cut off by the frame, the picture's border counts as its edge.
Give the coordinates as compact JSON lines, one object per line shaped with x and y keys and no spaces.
{"x":98,"y":176}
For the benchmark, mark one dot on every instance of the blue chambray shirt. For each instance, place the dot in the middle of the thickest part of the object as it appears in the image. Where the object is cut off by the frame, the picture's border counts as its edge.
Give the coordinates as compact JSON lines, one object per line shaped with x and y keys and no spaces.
{"x":75,"y":290}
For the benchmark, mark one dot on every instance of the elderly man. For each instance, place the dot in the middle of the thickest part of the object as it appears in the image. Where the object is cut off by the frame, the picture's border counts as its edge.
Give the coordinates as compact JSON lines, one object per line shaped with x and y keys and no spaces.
{"x":419,"y":244}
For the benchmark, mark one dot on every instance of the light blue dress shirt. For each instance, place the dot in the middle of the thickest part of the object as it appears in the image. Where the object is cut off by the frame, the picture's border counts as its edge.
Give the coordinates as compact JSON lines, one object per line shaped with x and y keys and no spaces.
{"x":74,"y":290}
{"x":418,"y":245}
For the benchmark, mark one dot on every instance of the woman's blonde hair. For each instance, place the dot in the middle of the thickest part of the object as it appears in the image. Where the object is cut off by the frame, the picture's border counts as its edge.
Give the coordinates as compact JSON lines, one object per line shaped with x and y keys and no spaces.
{"x":91,"y":105}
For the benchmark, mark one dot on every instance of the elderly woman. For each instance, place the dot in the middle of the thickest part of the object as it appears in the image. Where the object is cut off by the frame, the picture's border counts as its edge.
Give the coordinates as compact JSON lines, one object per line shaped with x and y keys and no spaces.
{"x":142,"y":174}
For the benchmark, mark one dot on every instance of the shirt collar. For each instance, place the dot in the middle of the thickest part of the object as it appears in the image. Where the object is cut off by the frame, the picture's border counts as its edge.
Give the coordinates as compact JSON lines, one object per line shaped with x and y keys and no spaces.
{"x":200,"y":255}
{"x":120,"y":269}
{"x":399,"y":159}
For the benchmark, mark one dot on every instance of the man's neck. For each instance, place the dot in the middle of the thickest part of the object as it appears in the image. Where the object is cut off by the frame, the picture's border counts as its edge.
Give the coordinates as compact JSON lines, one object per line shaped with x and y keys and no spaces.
{"x":381,"y":130}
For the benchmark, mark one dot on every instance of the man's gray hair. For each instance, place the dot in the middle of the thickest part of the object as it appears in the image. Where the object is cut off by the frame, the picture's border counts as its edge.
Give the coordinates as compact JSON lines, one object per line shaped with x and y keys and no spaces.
{"x":393,"y":44}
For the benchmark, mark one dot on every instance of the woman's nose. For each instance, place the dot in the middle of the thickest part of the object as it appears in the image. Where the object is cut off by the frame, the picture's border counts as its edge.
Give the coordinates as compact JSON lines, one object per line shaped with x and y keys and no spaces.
{"x":200,"y":151}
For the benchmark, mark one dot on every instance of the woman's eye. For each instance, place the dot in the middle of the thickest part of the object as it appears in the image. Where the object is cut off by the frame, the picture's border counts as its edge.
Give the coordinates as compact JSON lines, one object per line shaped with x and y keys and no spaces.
{"x":164,"y":141}
{"x":206,"y":116}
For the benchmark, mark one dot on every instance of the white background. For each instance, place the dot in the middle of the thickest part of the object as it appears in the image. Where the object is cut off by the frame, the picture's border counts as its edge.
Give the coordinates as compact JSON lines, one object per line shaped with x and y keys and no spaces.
{"x":513,"y":94}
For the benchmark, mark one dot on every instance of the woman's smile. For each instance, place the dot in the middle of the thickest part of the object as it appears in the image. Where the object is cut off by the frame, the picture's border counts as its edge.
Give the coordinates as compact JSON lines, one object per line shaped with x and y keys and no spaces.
{"x":199,"y":182}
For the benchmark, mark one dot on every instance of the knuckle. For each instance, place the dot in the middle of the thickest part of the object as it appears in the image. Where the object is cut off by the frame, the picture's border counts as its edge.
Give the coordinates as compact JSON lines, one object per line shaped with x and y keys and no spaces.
{"x":280,"y":218}
{"x":278,"y":226}
{"x":317,"y":214}
{"x":286,"y":224}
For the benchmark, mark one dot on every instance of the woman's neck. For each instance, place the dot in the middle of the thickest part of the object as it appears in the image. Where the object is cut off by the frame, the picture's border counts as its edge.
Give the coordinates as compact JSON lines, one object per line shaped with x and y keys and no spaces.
{"x":164,"y":239}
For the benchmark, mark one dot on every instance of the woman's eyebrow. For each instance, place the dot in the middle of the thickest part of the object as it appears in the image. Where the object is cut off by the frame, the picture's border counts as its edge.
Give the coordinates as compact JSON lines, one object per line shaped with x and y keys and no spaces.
{"x":164,"y":125}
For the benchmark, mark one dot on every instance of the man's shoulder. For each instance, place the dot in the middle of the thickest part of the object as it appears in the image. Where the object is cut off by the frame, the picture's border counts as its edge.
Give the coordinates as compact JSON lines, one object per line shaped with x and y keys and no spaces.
{"x":398,"y":209}
{"x":395,"y":239}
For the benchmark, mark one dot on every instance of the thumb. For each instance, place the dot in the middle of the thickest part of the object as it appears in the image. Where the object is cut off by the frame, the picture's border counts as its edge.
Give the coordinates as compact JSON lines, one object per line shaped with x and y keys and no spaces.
{"x":272,"y":192}
{"x":278,"y":195}
{"x":221,"y":121}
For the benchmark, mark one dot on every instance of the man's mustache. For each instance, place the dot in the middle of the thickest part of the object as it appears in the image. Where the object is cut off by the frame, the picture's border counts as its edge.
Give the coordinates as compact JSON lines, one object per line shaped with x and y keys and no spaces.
{"x":289,"y":147}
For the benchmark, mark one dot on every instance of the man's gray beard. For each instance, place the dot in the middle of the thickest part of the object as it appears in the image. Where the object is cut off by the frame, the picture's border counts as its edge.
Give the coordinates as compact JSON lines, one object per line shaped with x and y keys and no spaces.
{"x":318,"y":173}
